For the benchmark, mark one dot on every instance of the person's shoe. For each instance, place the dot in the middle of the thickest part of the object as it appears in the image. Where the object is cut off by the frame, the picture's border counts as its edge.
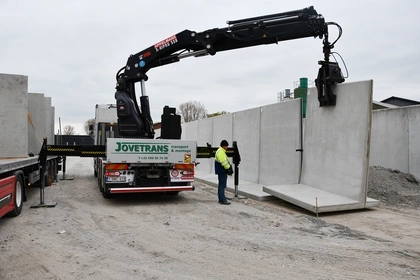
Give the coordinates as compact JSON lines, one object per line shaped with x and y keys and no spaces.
{"x":225,"y":202}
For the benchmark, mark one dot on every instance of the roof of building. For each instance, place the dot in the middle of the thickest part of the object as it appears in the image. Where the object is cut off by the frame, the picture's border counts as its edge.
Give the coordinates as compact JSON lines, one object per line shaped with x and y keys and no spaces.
{"x":396,"y":98}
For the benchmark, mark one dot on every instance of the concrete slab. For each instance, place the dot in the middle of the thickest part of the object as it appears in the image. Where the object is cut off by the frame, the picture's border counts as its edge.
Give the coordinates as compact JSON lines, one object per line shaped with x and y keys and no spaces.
{"x":327,"y":202}
{"x":370,"y":202}
{"x":316,"y":200}
{"x":245,"y":189}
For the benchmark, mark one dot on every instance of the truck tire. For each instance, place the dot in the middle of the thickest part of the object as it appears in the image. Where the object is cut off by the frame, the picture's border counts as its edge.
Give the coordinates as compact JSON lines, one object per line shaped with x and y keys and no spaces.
{"x":49,"y":178}
{"x":18,"y":197}
{"x":172,"y":193}
{"x":100,"y":184}
{"x":105,"y":192}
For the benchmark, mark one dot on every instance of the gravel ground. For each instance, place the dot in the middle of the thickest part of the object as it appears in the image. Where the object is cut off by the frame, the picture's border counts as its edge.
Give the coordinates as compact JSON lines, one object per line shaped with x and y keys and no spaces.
{"x":191,"y":236}
{"x":394,"y":188}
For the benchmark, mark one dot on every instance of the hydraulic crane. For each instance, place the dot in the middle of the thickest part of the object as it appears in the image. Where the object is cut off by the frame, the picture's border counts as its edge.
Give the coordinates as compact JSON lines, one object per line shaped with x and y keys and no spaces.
{"x":136,"y":122}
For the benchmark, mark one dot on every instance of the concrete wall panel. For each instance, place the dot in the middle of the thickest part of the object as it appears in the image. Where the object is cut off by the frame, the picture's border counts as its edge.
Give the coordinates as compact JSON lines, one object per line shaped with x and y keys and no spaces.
{"x":222,"y":129}
{"x":189,"y":131}
{"x":414,"y":140}
{"x":52,"y":117}
{"x":279,"y":140}
{"x":36,"y":124}
{"x":49,"y":122}
{"x":246,"y":131}
{"x":205,"y":135}
{"x":336,"y":141}
{"x":390,"y":139}
{"x":13,"y":115}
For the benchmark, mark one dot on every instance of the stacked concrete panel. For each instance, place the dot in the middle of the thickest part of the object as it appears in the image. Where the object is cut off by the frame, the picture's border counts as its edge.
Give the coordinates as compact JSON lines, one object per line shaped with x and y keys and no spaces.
{"x":13,"y":115}
{"x":25,"y":118}
{"x":40,"y":121}
{"x":36,"y":121}
{"x":49,"y":121}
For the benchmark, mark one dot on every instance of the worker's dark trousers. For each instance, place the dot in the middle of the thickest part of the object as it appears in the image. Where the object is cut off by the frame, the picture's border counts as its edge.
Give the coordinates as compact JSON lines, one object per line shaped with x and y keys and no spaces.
{"x":221,"y":187}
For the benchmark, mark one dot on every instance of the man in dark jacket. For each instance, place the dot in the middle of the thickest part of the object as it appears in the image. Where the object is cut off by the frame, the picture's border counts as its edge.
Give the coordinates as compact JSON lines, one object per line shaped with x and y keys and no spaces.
{"x":222,"y":168}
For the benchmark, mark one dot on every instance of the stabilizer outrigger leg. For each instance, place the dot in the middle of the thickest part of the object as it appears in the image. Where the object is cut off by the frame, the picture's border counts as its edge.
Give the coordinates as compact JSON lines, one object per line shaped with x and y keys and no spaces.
{"x":43,"y":162}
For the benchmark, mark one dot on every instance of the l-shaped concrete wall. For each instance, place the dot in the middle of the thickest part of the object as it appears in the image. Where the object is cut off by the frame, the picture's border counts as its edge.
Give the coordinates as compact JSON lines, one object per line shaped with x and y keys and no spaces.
{"x":267,"y":133}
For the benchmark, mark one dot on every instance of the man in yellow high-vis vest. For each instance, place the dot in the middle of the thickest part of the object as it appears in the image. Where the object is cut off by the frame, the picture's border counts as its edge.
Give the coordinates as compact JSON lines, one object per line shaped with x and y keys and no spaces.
{"x":222,"y":168}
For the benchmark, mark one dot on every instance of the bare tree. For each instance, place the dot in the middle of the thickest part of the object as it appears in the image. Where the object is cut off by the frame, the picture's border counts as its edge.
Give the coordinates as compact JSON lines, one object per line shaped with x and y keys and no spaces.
{"x":88,"y":123}
{"x":217,"y":114}
{"x":192,"y":111}
{"x":69,"y":130}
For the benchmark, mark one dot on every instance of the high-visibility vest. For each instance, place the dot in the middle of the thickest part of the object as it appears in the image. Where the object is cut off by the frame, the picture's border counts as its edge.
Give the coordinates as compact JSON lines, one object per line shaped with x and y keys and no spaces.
{"x":222,"y":158}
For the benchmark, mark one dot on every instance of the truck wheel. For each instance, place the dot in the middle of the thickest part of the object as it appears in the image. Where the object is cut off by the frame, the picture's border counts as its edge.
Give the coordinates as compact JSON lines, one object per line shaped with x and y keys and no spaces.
{"x":105,"y":192}
{"x":18,"y":198}
{"x":101,"y":189}
{"x":173,"y":193}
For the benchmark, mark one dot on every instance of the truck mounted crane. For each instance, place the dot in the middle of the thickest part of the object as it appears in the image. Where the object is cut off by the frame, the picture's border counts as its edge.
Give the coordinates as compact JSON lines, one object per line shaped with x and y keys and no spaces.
{"x":136,"y":122}
{"x":127,"y":157}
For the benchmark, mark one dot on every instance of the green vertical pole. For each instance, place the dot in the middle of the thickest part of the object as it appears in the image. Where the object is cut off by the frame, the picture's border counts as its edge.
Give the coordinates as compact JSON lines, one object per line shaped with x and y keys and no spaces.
{"x":302,"y":92}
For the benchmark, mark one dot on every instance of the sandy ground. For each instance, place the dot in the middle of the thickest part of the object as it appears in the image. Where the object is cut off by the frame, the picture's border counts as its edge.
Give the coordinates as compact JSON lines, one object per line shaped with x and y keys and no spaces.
{"x":191,"y":236}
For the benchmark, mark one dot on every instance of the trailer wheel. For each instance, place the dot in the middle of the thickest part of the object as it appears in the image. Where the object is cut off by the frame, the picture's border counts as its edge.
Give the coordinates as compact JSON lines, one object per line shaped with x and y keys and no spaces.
{"x":18,"y":198}
{"x":49,"y":178}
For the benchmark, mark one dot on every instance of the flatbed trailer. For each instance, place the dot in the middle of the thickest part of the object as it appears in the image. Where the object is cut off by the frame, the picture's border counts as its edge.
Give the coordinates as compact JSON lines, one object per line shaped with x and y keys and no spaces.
{"x":18,"y":173}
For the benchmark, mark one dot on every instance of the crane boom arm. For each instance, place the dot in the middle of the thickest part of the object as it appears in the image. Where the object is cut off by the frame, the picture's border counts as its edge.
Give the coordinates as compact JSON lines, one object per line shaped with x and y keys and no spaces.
{"x":241,"y":33}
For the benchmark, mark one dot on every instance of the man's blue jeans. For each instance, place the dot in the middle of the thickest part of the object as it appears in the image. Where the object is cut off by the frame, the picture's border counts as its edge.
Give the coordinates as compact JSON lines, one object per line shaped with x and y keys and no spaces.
{"x":221,"y":187}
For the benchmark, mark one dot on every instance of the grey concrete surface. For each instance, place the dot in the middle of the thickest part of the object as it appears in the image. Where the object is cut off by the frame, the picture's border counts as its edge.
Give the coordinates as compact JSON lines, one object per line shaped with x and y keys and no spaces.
{"x":36,"y":127}
{"x":335,"y":152}
{"x":25,"y":118}
{"x":396,"y":138}
{"x":243,"y":189}
{"x":49,"y":120}
{"x":414,"y":141}
{"x":13,"y":115}
{"x":42,"y":125}
{"x":246,"y":131}
{"x":280,"y":137}
{"x":337,"y":140}
{"x":389,"y":132}
{"x":312,"y":199}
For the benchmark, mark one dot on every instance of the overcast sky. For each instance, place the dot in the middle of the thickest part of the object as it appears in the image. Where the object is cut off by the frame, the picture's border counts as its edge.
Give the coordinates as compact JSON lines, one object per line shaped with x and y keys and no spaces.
{"x":72,"y":50}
